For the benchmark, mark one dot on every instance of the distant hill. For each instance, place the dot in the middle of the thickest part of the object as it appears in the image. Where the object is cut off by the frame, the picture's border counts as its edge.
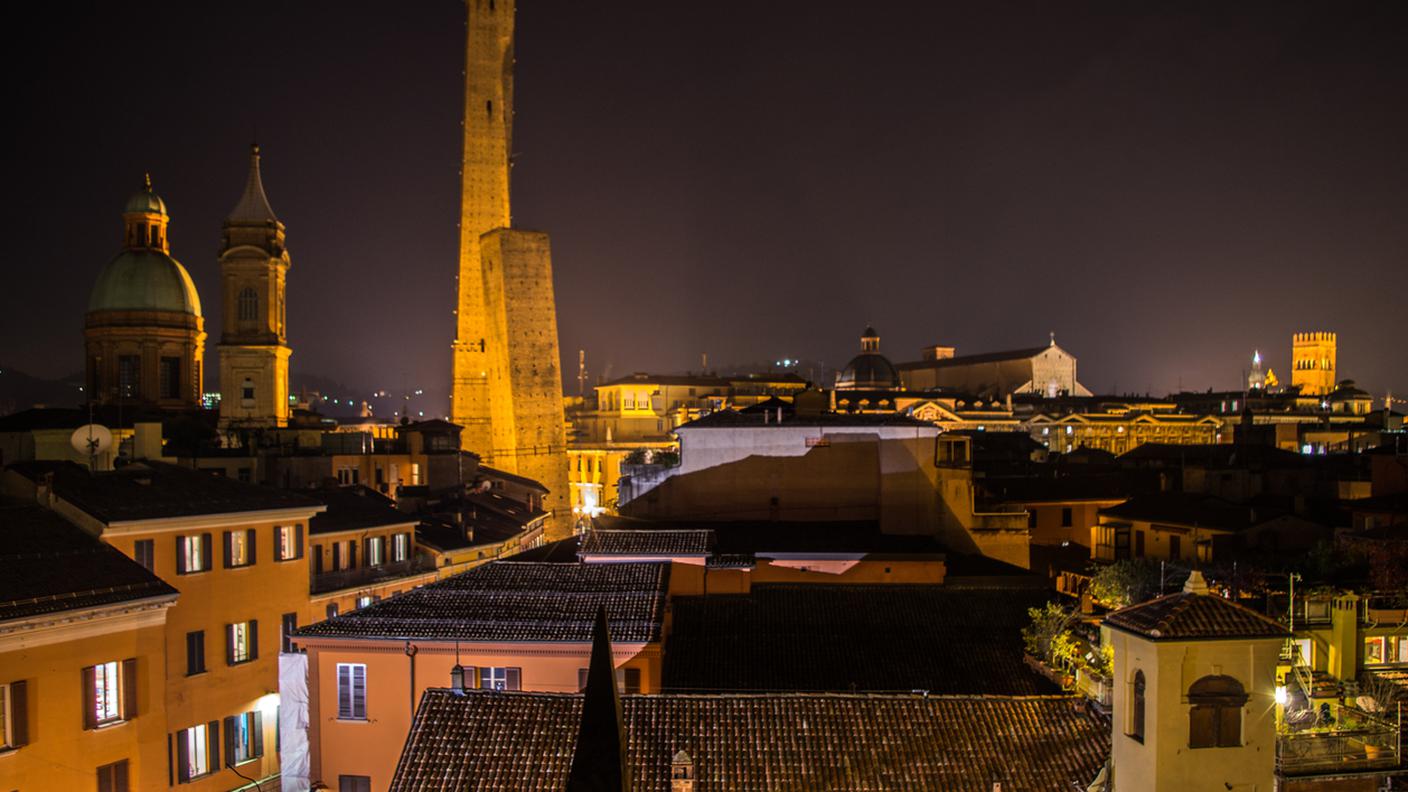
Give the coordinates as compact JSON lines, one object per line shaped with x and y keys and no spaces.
{"x":20,"y":391}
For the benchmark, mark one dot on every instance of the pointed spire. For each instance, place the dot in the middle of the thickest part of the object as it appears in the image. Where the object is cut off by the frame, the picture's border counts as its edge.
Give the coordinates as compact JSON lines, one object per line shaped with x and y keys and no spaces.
{"x":599,"y":761}
{"x":253,"y":207}
{"x":147,"y":181}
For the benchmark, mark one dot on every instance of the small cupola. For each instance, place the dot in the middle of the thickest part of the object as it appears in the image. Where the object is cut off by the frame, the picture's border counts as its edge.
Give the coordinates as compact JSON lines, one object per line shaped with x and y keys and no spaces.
{"x":144,"y":220}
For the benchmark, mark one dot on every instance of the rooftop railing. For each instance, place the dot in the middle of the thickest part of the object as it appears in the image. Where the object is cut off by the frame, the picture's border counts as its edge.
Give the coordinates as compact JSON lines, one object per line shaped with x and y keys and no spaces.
{"x":369,"y":575}
{"x":1351,"y":741}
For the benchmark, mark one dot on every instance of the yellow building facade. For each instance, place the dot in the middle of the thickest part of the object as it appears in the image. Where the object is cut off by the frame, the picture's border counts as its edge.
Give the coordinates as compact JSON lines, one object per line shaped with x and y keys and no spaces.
{"x":1118,"y":428}
{"x":1313,"y":362}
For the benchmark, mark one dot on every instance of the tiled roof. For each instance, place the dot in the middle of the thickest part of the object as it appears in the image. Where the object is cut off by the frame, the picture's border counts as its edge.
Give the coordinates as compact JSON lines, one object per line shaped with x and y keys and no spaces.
{"x":525,"y":742}
{"x":48,"y":565}
{"x":763,"y":537}
{"x":1180,"y":508}
{"x":517,"y":601}
{"x":647,"y":542}
{"x":1188,"y":615}
{"x":968,"y":360}
{"x":153,"y":490}
{"x":355,"y":509}
{"x":641,"y":378}
{"x":494,"y":473}
{"x":726,"y":419}
{"x":868,"y":638}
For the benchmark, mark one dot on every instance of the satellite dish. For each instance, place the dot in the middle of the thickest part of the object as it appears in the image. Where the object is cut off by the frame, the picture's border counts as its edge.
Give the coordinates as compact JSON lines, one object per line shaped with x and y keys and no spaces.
{"x":91,"y":439}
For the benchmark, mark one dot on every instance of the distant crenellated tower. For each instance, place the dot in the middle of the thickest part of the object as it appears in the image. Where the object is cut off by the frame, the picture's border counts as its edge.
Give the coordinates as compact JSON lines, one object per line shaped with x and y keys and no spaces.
{"x":506,"y":379}
{"x":1313,"y":363}
{"x":254,"y":349}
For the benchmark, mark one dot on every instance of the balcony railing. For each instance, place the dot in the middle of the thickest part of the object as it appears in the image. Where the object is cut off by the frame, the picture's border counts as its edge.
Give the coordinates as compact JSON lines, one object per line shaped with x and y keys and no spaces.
{"x":1355,"y":742}
{"x":369,"y":575}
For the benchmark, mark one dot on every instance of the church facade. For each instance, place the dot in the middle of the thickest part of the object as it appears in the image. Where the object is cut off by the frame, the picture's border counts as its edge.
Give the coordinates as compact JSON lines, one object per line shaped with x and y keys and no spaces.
{"x":506,"y":381}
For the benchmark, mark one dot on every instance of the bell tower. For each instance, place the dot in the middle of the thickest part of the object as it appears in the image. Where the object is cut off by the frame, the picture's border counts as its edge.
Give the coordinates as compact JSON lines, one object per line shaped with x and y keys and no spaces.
{"x":1313,"y":362}
{"x":254,"y":348}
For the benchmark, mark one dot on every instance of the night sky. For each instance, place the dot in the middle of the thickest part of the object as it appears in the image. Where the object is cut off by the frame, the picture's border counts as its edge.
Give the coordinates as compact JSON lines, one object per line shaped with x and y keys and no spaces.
{"x":1166,"y":186}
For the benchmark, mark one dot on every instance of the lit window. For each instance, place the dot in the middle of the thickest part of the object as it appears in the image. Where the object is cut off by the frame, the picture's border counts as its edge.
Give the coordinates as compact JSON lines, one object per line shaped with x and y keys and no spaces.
{"x":400,"y":547}
{"x":244,"y":737}
{"x":1374,"y":650}
{"x":499,"y":678}
{"x":239,"y":548}
{"x":351,"y":691}
{"x":107,"y":693}
{"x":192,"y":554}
{"x":194,"y":746}
{"x":288,"y":542}
{"x":376,"y":550}
{"x":8,"y":713}
{"x":364,"y":601}
{"x":242,"y":642}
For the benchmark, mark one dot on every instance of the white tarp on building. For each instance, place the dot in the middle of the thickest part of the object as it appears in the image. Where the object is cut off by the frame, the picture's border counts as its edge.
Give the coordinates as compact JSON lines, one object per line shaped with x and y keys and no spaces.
{"x":293,"y":722}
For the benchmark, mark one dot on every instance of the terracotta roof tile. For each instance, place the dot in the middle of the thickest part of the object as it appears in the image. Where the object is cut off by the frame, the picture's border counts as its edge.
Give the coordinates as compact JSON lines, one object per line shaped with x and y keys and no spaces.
{"x":525,"y":742}
{"x":647,"y":542}
{"x":1188,"y":615}
{"x":517,"y":601}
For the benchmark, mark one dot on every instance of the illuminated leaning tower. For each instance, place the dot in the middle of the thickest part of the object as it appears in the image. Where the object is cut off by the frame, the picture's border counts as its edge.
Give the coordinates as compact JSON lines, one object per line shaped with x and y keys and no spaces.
{"x":1313,"y":363}
{"x":506,"y":385}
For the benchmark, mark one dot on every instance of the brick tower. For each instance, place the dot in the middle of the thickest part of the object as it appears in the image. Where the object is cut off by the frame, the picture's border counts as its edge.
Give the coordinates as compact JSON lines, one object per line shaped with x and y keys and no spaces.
{"x":1313,"y":363}
{"x":506,"y":387}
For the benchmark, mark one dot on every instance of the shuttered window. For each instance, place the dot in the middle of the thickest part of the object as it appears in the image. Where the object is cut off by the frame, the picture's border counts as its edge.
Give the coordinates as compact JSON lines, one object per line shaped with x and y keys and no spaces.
{"x":197,"y":751}
{"x":193,"y":554}
{"x":1215,"y":720}
{"x":242,"y":642}
{"x":352,"y":691}
{"x":109,"y":693}
{"x":14,"y":714}
{"x":195,"y":652}
{"x":244,"y":737}
{"x":113,"y":777}
{"x":288,"y":542}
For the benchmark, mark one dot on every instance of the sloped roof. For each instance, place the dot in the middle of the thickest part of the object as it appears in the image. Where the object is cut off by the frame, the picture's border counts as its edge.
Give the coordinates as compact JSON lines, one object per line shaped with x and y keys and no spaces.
{"x":853,"y":638}
{"x":354,"y":509}
{"x":647,"y":542}
{"x":756,"y":742}
{"x":1181,"y":508}
{"x":967,"y":360}
{"x":1189,"y":616}
{"x":727,"y":419}
{"x":517,"y":601}
{"x":253,"y":206}
{"x":48,"y":565}
{"x":642,"y":378}
{"x":153,"y":490}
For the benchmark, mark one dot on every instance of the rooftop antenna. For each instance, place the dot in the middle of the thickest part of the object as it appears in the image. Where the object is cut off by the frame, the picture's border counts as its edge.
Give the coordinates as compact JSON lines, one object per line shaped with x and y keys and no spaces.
{"x":704,"y":362}
{"x":582,"y":373}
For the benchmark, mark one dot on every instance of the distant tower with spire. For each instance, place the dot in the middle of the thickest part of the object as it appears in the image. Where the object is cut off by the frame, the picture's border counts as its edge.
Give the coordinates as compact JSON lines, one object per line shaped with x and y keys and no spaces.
{"x":1256,"y":378}
{"x":254,"y":349}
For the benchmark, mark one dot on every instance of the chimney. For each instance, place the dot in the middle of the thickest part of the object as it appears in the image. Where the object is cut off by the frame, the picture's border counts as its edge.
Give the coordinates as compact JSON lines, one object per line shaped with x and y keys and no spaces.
{"x":1196,"y":584}
{"x":682,"y":773}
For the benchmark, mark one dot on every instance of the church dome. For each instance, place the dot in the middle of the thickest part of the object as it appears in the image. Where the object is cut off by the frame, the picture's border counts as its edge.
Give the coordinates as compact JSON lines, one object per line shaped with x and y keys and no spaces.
{"x":869,"y":370}
{"x":144,"y":280}
{"x":145,"y":201}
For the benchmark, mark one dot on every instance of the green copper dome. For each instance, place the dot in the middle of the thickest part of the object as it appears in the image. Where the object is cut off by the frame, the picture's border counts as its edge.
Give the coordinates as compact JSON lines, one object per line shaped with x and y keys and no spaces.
{"x":144,"y":280}
{"x":146,"y":201}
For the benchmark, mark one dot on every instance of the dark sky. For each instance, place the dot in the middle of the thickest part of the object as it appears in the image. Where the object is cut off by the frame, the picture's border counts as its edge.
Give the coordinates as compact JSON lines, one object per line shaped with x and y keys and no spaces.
{"x":1166,"y":186}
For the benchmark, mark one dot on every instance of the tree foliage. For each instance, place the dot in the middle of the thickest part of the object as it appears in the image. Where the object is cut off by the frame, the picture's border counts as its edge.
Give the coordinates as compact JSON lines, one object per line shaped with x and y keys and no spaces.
{"x":1048,"y":636}
{"x":1130,"y":581}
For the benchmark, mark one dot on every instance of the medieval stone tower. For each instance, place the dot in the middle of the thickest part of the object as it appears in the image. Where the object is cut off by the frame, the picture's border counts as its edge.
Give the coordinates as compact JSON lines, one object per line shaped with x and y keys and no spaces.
{"x":254,"y":348}
{"x":506,"y":387}
{"x":1313,"y":363}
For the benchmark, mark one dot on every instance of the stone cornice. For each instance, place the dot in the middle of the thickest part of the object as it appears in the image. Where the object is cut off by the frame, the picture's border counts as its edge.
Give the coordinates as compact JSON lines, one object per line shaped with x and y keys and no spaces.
{"x":73,"y":625}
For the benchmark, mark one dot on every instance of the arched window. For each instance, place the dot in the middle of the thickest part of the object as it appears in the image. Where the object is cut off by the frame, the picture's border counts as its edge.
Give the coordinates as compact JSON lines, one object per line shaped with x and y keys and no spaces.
{"x":1136,"y":710}
{"x":1215,"y":720}
{"x":248,"y":305}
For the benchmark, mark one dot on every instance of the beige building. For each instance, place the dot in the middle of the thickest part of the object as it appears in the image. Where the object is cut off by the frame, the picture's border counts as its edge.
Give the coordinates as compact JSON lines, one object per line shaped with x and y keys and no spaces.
{"x":1118,"y":428}
{"x":1048,"y":371}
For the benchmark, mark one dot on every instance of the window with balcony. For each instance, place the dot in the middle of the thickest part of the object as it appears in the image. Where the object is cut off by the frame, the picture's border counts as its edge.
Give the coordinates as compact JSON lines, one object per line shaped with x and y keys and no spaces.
{"x":242,"y":642}
{"x":1215,"y":720}
{"x":351,"y":691}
